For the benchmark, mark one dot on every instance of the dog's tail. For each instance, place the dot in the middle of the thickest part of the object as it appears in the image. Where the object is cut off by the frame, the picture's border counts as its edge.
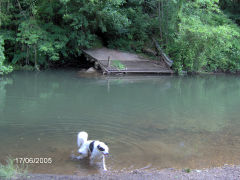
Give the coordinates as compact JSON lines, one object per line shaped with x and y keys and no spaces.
{"x":82,"y":138}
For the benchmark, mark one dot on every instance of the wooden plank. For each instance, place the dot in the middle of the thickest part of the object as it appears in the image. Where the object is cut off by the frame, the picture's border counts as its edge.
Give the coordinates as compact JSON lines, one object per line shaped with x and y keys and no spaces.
{"x":100,"y":64}
{"x":143,"y":71}
{"x":133,"y":63}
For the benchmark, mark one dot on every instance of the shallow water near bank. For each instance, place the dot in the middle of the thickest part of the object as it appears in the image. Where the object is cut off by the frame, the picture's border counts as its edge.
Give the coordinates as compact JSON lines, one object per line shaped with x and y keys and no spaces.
{"x":147,"y":121}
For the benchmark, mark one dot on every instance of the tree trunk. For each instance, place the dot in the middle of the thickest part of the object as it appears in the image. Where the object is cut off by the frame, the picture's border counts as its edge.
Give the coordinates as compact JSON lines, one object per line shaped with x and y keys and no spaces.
{"x":160,"y":20}
{"x":166,"y":24}
{"x":20,"y":8}
{"x":35,"y":57}
{"x":0,"y":12}
{"x":162,"y":17}
{"x":27,"y":56}
{"x":178,"y":16}
{"x":8,"y":6}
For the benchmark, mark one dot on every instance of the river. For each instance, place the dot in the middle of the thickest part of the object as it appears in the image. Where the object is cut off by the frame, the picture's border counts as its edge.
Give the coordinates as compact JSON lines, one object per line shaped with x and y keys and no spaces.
{"x":148,"y":122}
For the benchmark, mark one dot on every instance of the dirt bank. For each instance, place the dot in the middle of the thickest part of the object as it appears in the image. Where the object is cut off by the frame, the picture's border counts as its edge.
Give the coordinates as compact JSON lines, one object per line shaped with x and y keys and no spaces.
{"x":227,"y":172}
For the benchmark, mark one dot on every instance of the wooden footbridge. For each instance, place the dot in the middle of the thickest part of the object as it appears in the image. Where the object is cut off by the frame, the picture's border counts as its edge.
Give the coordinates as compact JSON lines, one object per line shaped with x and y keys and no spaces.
{"x":114,"y":61}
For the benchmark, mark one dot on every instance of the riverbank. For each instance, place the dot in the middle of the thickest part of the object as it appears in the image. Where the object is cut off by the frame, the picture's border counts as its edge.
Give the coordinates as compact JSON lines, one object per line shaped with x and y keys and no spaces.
{"x":229,"y":172}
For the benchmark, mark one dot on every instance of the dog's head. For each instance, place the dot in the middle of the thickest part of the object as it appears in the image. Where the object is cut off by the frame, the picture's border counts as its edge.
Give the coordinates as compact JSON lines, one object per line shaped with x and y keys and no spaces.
{"x":103,"y":148}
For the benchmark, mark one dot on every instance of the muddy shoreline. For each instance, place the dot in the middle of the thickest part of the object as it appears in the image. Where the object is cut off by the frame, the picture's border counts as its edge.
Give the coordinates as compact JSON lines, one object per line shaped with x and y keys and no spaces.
{"x":226,"y":172}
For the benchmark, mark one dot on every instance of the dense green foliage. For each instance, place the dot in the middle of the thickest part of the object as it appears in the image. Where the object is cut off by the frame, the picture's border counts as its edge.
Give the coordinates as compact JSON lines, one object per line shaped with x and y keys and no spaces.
{"x":199,"y":35}
{"x":232,"y":9}
{"x":206,"y":39}
{"x":3,"y":68}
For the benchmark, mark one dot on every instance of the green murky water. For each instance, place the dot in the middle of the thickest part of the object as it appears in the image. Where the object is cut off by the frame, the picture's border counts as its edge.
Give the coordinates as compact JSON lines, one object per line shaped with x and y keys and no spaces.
{"x":148,"y":122}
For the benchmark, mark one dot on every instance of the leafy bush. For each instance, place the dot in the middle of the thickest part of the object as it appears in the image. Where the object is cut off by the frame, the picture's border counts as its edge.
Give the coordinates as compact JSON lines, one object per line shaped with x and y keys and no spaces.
{"x":207,"y":40}
{"x":117,"y":64}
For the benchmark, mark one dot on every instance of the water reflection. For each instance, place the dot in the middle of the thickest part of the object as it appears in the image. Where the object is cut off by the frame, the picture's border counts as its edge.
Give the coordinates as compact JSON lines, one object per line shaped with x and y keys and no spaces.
{"x":3,"y":83}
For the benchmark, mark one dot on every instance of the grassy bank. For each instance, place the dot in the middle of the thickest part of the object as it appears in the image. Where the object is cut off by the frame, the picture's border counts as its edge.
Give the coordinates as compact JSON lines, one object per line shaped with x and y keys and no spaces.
{"x":11,"y":170}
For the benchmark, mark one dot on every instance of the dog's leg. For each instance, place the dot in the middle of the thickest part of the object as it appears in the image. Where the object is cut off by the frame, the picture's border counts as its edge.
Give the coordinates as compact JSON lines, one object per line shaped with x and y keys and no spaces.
{"x":92,"y":159}
{"x":80,"y":157}
{"x":74,"y":157}
{"x":104,"y":165}
{"x":82,"y":153}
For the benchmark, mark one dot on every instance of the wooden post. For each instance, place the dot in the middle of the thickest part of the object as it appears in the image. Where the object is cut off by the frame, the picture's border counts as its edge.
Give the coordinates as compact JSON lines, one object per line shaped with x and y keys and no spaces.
{"x":109,"y":62}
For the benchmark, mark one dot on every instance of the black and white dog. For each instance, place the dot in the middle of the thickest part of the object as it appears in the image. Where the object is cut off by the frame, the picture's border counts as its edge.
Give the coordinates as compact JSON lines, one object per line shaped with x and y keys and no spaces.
{"x":95,"y":149}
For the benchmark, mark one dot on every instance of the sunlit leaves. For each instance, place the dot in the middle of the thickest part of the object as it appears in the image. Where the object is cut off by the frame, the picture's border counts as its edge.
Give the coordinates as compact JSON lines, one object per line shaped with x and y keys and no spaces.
{"x":206,"y":40}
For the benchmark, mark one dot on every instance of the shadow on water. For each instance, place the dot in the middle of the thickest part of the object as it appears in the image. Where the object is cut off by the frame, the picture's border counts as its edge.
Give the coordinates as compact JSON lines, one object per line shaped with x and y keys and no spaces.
{"x":148,"y":121}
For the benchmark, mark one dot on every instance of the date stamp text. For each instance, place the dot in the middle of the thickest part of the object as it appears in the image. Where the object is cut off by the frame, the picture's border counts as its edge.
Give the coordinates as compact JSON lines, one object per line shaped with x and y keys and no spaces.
{"x":26,"y":160}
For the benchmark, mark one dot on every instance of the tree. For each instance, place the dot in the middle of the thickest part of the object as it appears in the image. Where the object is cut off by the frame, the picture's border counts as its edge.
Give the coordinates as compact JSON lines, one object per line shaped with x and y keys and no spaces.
{"x":199,"y":35}
{"x":207,"y":40}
